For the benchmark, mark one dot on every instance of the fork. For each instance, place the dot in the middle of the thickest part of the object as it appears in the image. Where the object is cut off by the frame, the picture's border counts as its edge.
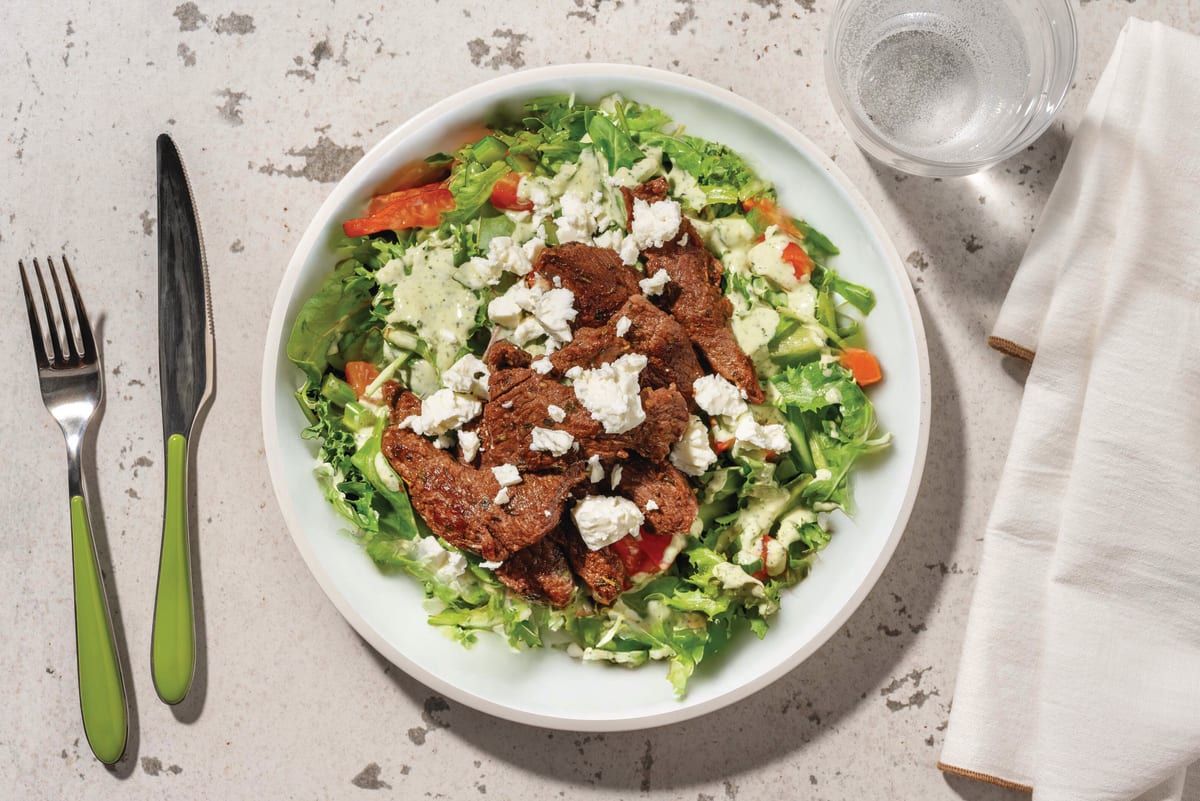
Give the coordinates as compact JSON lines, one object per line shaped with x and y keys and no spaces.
{"x":72,"y":385}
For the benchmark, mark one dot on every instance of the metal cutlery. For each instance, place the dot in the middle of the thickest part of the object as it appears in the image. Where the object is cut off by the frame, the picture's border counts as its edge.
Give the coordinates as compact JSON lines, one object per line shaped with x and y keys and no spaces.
{"x":72,"y":384}
{"x":185,"y":356}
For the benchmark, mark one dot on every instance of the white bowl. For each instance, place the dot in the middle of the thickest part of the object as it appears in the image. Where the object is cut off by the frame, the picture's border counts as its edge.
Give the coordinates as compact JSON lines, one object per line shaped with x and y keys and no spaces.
{"x":546,"y":687}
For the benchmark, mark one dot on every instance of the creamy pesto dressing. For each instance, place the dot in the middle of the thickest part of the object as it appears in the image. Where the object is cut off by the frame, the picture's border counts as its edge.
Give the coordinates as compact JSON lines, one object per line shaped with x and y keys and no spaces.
{"x":427,"y":298}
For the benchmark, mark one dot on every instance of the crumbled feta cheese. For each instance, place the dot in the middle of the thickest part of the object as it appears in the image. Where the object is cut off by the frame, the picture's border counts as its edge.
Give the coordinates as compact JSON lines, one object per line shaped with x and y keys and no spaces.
{"x":506,"y":309}
{"x":716,"y":395}
{"x":651,"y":505}
{"x":490,"y":565}
{"x":507,"y":475}
{"x":629,"y":251}
{"x":595,"y":469}
{"x":692,"y":454}
{"x":822,"y":474}
{"x":610,"y":393}
{"x":527,"y":330}
{"x":468,"y":376}
{"x":428,"y":549}
{"x":533,"y":311}
{"x":455,"y":566}
{"x":535,"y":246}
{"x":478,"y":272}
{"x":610,"y":239}
{"x":442,"y":411}
{"x":556,"y":413}
{"x":556,"y":280}
{"x":769,"y":437}
{"x":468,"y":441}
{"x":615,"y":477}
{"x":623,"y":325}
{"x":654,"y":224}
{"x":501,"y":497}
{"x":574,"y":372}
{"x":555,"y":310}
{"x":537,"y":192}
{"x":443,"y":442}
{"x":551,"y":440}
{"x":542,"y":366}
{"x":604,"y":519}
{"x":655,"y":284}
{"x":509,"y":256}
{"x":578,"y":219}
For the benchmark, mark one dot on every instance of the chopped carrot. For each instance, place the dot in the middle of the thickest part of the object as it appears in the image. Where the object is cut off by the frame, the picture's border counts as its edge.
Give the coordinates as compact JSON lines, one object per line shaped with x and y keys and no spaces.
{"x":863,"y":364}
{"x":796,"y":256}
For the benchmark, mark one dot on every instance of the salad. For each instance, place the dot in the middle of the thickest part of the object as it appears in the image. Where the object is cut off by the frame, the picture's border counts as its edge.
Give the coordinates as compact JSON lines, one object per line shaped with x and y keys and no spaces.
{"x":590,"y":385}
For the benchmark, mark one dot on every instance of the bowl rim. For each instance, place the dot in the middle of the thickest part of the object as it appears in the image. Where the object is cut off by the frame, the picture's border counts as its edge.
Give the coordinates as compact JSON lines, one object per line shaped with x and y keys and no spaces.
{"x":350,"y":183}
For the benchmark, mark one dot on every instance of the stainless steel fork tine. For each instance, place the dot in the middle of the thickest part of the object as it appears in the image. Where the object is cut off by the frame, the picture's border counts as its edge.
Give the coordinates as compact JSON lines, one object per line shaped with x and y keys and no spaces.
{"x":67,"y":328}
{"x":48,"y":310}
{"x":35,"y":327}
{"x":85,"y":328}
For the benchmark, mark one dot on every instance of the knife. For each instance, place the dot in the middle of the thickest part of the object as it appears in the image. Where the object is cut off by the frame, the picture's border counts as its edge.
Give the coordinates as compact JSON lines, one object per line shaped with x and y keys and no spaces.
{"x":185,"y":368}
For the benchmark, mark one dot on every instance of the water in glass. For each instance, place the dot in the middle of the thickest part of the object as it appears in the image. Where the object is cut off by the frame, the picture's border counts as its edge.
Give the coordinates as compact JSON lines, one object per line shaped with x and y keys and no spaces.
{"x":946,"y":82}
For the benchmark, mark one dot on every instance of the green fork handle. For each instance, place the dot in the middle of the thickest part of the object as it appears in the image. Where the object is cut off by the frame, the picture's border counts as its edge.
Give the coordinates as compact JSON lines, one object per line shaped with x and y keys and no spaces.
{"x":101,"y":687}
{"x":173,"y":647}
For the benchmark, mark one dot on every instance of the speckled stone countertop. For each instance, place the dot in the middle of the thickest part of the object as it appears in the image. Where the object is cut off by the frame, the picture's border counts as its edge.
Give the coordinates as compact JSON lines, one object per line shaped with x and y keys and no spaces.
{"x":270,"y":103}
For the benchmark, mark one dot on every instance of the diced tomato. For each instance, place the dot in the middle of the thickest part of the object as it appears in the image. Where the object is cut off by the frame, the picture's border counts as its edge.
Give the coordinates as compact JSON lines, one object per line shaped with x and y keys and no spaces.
{"x":863,"y":364}
{"x":359,"y":376}
{"x":642,"y":555}
{"x":504,"y":194}
{"x":415,"y":175}
{"x":773,"y":215}
{"x":722,"y":445}
{"x":421,"y":206}
{"x":762,"y":573}
{"x":796,"y":256}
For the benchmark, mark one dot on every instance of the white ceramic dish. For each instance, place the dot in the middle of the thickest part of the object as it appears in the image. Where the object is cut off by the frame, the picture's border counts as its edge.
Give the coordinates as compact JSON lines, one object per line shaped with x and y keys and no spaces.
{"x":546,"y":687}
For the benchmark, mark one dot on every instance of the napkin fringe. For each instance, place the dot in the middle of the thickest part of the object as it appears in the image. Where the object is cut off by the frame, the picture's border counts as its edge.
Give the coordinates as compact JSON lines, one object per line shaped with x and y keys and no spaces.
{"x":984,"y":777}
{"x":1010,"y":348}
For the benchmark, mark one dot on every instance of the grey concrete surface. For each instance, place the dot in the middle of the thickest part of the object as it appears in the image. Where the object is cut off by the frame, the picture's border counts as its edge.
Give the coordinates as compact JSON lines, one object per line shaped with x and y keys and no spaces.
{"x":271,"y":102}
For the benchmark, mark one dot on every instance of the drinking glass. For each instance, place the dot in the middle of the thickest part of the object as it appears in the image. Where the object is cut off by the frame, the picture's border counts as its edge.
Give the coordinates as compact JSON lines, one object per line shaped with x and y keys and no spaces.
{"x":949,"y":87}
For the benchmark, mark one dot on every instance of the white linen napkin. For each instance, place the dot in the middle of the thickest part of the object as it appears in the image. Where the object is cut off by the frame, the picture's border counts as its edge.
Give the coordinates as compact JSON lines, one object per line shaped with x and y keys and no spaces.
{"x":1080,"y":673}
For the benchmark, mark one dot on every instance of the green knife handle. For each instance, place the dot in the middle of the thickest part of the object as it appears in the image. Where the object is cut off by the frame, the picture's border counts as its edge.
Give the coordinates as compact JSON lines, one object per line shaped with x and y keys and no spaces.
{"x":173,"y":648}
{"x":101,"y":687}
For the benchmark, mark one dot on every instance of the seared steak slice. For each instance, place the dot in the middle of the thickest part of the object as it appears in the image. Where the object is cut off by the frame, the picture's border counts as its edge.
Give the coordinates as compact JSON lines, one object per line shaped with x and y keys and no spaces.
{"x":457,"y":500}
{"x":502,"y":354}
{"x":652,"y":191}
{"x":701,"y":308}
{"x":653,"y":332}
{"x":602,"y":571}
{"x":597,"y":277}
{"x":643,"y":481}
{"x":519,"y":403}
{"x":539,"y":572}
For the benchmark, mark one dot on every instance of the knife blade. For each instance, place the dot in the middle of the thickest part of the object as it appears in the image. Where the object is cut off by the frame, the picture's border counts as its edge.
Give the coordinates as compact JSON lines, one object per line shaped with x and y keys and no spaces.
{"x":185,"y":364}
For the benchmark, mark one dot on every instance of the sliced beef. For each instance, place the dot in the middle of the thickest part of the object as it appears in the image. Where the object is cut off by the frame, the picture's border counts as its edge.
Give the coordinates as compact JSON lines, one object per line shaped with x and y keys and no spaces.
{"x":597,"y":277}
{"x":456,"y":500}
{"x":602,"y":571}
{"x":502,"y":355}
{"x":671,"y":361}
{"x":519,"y":402}
{"x":540,"y":572}
{"x":652,"y":191}
{"x":643,"y":481}
{"x":701,"y":308}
